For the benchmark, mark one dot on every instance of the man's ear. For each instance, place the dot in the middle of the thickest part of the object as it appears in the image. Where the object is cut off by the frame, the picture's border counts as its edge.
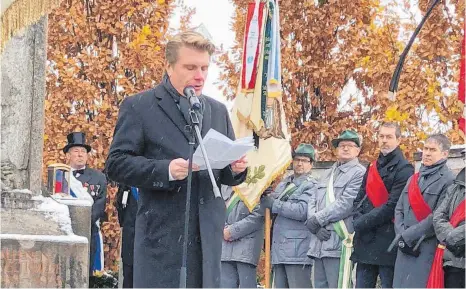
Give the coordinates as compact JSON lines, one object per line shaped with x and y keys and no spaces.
{"x":445,"y":154}
{"x":168,"y":68}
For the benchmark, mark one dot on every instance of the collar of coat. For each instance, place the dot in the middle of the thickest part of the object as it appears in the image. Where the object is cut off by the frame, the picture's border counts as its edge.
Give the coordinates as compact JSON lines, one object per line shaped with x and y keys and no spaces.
{"x":391,"y":157}
{"x":168,"y":105}
{"x":298,"y":180}
{"x":347,"y":166}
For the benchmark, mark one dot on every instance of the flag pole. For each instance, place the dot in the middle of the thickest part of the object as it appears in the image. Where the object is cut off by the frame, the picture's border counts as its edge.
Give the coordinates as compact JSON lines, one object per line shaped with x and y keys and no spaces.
{"x":268,"y":270}
{"x":268,"y":227}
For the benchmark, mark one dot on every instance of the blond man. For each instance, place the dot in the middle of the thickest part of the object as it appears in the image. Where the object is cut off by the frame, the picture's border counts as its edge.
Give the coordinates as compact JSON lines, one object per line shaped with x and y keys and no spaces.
{"x":150,"y":150}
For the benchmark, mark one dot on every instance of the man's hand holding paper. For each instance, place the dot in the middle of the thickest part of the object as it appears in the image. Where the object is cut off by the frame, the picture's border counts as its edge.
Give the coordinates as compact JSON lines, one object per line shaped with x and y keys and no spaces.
{"x":240,"y":165}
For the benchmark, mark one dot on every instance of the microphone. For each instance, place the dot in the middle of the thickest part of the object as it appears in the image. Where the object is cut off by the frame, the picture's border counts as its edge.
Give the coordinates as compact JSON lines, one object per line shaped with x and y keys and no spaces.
{"x":194,"y":102}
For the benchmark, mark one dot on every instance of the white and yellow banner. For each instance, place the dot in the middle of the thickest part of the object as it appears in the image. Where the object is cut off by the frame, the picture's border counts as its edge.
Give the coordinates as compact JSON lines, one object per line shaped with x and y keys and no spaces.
{"x":258,"y":105}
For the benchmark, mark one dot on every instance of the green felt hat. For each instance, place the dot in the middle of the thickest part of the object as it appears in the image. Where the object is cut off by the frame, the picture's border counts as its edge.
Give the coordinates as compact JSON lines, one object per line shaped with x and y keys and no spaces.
{"x":347,"y":135}
{"x":306,"y":150}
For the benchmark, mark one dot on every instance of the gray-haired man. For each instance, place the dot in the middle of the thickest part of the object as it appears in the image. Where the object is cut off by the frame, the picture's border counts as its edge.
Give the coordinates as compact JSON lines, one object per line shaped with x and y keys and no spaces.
{"x":422,"y":194}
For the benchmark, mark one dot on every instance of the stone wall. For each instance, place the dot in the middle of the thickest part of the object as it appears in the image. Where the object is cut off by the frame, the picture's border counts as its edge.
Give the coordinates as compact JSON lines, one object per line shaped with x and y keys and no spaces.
{"x":39,"y":246}
{"x":23,"y":65}
{"x":53,"y":262}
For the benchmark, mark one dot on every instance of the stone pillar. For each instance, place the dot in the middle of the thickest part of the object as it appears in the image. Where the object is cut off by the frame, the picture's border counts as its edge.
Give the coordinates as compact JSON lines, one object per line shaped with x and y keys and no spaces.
{"x":23,"y":65}
{"x":41,"y":245}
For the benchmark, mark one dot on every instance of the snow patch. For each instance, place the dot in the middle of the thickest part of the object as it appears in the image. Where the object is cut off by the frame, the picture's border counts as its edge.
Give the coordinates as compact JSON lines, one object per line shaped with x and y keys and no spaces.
{"x":46,"y":238}
{"x":22,"y":191}
{"x":59,"y":213}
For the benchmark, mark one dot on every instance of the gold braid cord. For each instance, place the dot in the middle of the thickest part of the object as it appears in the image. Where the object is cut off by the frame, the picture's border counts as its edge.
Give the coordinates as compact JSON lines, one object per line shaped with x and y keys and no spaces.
{"x":21,"y":14}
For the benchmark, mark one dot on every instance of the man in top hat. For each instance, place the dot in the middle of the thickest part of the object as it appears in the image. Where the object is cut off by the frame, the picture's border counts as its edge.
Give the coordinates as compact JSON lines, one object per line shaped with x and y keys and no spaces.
{"x":374,"y":210}
{"x":423,"y":193}
{"x":289,"y":202}
{"x":77,"y":153}
{"x":329,"y":214}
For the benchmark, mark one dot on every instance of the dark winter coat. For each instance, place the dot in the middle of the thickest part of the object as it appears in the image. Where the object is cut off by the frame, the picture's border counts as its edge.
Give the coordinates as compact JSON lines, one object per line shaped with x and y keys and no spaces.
{"x":374,"y":228}
{"x":149,"y":134}
{"x":443,"y":228}
{"x":410,"y":271}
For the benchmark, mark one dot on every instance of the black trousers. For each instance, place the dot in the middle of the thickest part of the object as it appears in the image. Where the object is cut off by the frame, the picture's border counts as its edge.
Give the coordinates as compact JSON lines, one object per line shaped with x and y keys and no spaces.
{"x":366,"y":275}
{"x":454,"y":277}
{"x":127,"y":275}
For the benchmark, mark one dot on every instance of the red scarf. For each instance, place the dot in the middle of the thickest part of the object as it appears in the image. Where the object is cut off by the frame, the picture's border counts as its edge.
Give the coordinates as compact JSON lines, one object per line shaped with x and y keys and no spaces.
{"x":436,"y":276}
{"x":375,"y":188}
{"x":420,"y":208}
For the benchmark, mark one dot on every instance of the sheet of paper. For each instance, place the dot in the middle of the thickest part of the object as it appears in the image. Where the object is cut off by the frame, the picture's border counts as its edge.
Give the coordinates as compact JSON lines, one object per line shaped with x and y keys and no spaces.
{"x":221,"y":151}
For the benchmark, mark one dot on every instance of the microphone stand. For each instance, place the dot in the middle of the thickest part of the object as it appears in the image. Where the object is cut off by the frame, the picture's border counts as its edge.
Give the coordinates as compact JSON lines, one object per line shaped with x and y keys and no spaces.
{"x":194,"y":133}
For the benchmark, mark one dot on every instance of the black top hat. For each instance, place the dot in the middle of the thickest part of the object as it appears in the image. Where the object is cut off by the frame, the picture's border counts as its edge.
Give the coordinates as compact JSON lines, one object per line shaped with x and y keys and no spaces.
{"x":76,"y":139}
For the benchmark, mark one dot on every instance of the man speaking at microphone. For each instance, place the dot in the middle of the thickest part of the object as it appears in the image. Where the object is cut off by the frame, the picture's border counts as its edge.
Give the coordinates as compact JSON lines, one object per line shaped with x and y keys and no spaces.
{"x":150,"y":150}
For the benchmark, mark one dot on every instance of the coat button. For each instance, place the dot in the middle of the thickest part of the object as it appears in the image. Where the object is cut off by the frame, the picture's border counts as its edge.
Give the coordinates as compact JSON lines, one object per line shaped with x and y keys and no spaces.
{"x":201,"y":201}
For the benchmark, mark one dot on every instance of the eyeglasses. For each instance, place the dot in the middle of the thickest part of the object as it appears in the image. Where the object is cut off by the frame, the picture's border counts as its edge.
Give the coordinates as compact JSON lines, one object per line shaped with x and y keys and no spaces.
{"x":304,"y":161}
{"x":347,"y":146}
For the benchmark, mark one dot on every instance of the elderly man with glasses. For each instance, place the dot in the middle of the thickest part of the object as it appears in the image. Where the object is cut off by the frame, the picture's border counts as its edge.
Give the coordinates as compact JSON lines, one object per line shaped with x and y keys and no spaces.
{"x":291,"y":266}
{"x":329,"y":215}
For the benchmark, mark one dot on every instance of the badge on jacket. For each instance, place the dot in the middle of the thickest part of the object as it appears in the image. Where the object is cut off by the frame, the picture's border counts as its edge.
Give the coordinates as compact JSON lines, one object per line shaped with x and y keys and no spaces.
{"x":94,"y":189}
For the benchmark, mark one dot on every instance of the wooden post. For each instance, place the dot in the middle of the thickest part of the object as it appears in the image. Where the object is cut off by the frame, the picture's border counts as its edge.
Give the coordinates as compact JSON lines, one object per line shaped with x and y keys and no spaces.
{"x":268,"y":225}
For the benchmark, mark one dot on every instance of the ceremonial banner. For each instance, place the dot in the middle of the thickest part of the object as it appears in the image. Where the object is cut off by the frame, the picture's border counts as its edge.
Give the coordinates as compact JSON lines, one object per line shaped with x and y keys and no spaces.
{"x":258,"y":109}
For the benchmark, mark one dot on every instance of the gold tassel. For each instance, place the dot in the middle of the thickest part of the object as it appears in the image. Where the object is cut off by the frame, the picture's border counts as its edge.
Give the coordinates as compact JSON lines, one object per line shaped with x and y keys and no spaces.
{"x":21,"y":14}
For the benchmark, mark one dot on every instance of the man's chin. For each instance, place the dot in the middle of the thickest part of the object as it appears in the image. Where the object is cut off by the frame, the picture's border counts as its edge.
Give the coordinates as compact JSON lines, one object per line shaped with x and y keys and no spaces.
{"x":346,"y":159}
{"x":386,"y":151}
{"x":198,"y":91}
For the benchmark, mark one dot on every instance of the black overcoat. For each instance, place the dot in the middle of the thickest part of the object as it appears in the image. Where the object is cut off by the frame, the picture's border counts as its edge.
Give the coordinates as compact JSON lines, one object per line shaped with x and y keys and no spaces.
{"x":150,"y":132}
{"x":374,"y":228}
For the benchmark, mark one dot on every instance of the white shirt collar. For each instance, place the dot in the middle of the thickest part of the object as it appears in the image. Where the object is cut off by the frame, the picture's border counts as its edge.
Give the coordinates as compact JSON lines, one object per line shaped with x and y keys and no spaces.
{"x":82,"y":168}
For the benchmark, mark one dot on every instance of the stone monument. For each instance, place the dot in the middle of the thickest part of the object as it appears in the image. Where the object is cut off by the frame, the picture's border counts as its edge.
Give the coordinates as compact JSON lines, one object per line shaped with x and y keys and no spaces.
{"x":41,"y":246}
